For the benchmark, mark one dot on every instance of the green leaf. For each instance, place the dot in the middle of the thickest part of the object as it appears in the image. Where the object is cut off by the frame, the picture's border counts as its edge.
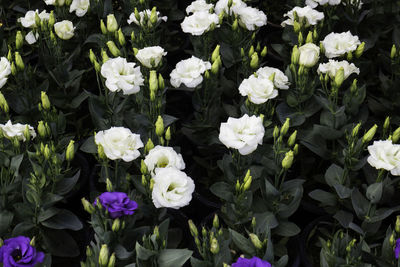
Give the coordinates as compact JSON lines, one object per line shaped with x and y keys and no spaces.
{"x":22,"y":228}
{"x":89,"y":146}
{"x":173,"y":257}
{"x":222,"y":190}
{"x":342,"y":191}
{"x":265,"y":221}
{"x":67,"y":184}
{"x":374,"y":192}
{"x":60,"y":243}
{"x":360,"y":204}
{"x":15,"y":163}
{"x":287,"y":229}
{"x":333,"y":175}
{"x":242,"y":243}
{"x":143,"y":253}
{"x":327,"y":199}
{"x":344,"y":218}
{"x":64,"y":220}
{"x":6,"y":218}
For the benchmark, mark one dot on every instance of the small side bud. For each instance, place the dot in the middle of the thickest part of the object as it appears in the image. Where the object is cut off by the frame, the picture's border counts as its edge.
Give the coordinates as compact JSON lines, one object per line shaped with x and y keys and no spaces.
{"x":288,"y":160}
{"x":370,"y":134}
{"x":159,"y":126}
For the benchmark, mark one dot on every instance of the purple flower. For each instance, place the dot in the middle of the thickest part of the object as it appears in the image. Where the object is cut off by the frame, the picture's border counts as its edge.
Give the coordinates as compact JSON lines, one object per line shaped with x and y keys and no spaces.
{"x":17,"y":252}
{"x":253,"y":262}
{"x":117,"y":203}
{"x":397,"y":248}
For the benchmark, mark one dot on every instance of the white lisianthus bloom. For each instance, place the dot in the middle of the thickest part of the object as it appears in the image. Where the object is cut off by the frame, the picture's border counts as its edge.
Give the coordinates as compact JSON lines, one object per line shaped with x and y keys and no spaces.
{"x":222,"y":5}
{"x":145,"y":18}
{"x":315,"y":3}
{"x":55,"y":2}
{"x":281,"y":81}
{"x":172,"y":188}
{"x":338,"y":44}
{"x":251,"y":17}
{"x":385,"y":155}
{"x":199,"y":22}
{"x":198,"y":5}
{"x":333,"y":66}
{"x":311,"y":16}
{"x":309,"y":55}
{"x":119,"y":143}
{"x":64,"y":29}
{"x":149,"y":55}
{"x":29,"y":20}
{"x":5,"y":70}
{"x":163,"y":157}
{"x":189,"y":72}
{"x":11,"y":131}
{"x":258,"y":90}
{"x":244,"y":133}
{"x":31,"y":38}
{"x":122,"y":76}
{"x":80,"y":7}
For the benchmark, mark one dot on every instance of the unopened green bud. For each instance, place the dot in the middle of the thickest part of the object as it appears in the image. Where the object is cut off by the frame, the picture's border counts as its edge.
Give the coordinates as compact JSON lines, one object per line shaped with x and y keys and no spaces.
{"x":97,"y":66}
{"x":296,"y":27}
{"x":168,"y":134}
{"x":70,"y":152}
{"x":370,"y":134}
{"x":247,"y":184}
{"x":339,"y":77}
{"x":256,"y":241}
{"x":151,"y":186}
{"x":143,"y":167}
{"x":396,"y":135}
{"x":215,"y":67}
{"x":19,"y":40}
{"x":315,"y":34}
{"x":242,"y":54}
{"x":216,"y":221}
{"x":392,"y":240}
{"x":251,"y":51}
{"x":254,"y":62}
{"x":109,"y":185}
{"x":349,"y":56}
{"x":137,"y":15}
{"x":33,"y":241}
{"x":360,"y":50}
{"x":89,"y":251}
{"x":113,"y":49}
{"x":27,"y":134}
{"x":253,"y":222}
{"x":215,"y":53}
{"x":295,"y":55}
{"x":153,"y":16}
{"x":230,"y":2}
{"x":100,"y":152}
{"x":13,"y":68}
{"x":288,"y":160}
{"x":111,"y":261}
{"x":116,"y":225}
{"x":397,"y":226}
{"x":45,"y":100}
{"x":275,"y":133}
{"x":37,"y":20}
{"x":292,"y":138}
{"x":353,"y":87}
{"x":104,"y":56}
{"x":237,"y":186}
{"x":103,"y":255}
{"x":321,"y":48}
{"x":9,"y":55}
{"x":42,"y":129}
{"x":193,"y":229}
{"x":393,"y":52}
{"x":47,"y":153}
{"x":258,"y":47}
{"x":52,"y":19}
{"x":112,"y":25}
{"x":300,"y":38}
{"x":264,"y":51}
{"x":153,"y":81}
{"x":149,"y":146}
{"x":19,"y":62}
{"x":356,"y":130}
{"x":87,"y":206}
{"x":53,"y":37}
{"x":386,"y":124}
{"x":144,"y":180}
{"x":121,"y":38}
{"x":214,"y":246}
{"x":92,"y":56}
{"x":309,"y":38}
{"x":103,"y":27}
{"x":160,"y":126}
{"x":285,"y":127}
{"x":3,"y":103}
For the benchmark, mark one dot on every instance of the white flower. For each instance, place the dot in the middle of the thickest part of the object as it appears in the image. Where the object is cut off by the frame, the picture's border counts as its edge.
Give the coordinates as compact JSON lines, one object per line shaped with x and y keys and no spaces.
{"x":145,"y":18}
{"x":333,"y":66}
{"x":31,"y":38}
{"x":251,"y":17}
{"x":5,"y":70}
{"x":163,"y":157}
{"x":189,"y":72}
{"x":281,"y":81}
{"x":119,"y":143}
{"x":80,"y":7}
{"x":148,"y":55}
{"x":244,"y":133}
{"x":385,"y":155}
{"x":172,"y":188}
{"x":315,"y":3}
{"x":64,"y":29}
{"x":338,"y":44}
{"x":29,"y":20}
{"x":199,"y":22}
{"x":258,"y":90}
{"x":198,"y":5}
{"x":55,"y":2}
{"x":311,"y":16}
{"x":122,"y":75}
{"x":11,"y":131}
{"x":309,"y":55}
{"x":222,"y":5}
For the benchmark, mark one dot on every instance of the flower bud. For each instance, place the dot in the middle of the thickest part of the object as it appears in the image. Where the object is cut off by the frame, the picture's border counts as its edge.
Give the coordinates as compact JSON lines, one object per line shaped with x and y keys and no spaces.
{"x":397,"y":226}
{"x":112,"y":25}
{"x":149,"y":146}
{"x":121,"y":38}
{"x":349,"y":56}
{"x":321,"y":48}
{"x":251,"y":51}
{"x":215,"y":53}
{"x":137,"y":15}
{"x":216,"y":221}
{"x":70,"y":153}
{"x":264,"y":51}
{"x":356,"y":129}
{"x":159,"y":126}
{"x":19,"y":62}
{"x":296,"y":149}
{"x":97,"y":66}
{"x":103,"y":256}
{"x":360,"y":50}
{"x":116,"y":225}
{"x":161,"y":83}
{"x":386,"y":124}
{"x":33,"y":241}
{"x":153,"y":81}
{"x":92,"y":56}
{"x":315,"y":34}
{"x":3,"y":103}
{"x":111,"y":262}
{"x":153,"y":16}
{"x":296,"y":27}
{"x":393,"y":52}
{"x":47,"y":153}
{"x":42,"y":129}
{"x":396,"y":135}
{"x":254,"y":63}
{"x":151,"y":186}
{"x":193,"y":229}
{"x":370,"y":134}
{"x":13,"y":68}
{"x":339,"y":77}
{"x":103,"y":27}
{"x":168,"y":134}
{"x":237,"y":186}
{"x":214,"y":246}
{"x":52,"y":19}
{"x":275,"y":133}
{"x":300,"y":38}
{"x":113,"y":49}
{"x":353,"y":87}
{"x":295,"y":55}
{"x":256,"y":241}
{"x":247,"y":184}
{"x":87,"y":206}
{"x":45,"y":100}
{"x":392,"y":240}
{"x":288,"y":160}
{"x":100,"y":152}
{"x":109,"y":185}
{"x":19,"y":40}
{"x":292,"y":138}
{"x":309,"y":38}
{"x":215,"y":67}
{"x":37,"y":20}
{"x":285,"y":127}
